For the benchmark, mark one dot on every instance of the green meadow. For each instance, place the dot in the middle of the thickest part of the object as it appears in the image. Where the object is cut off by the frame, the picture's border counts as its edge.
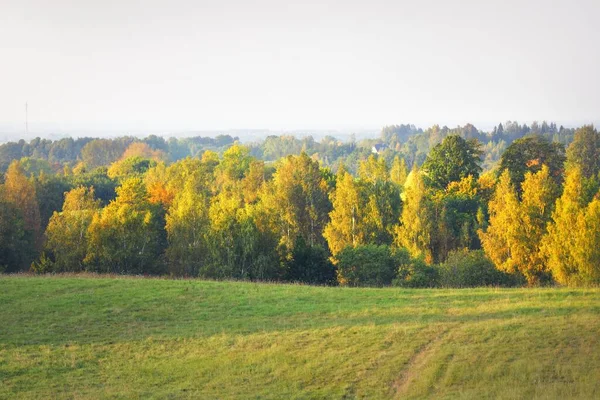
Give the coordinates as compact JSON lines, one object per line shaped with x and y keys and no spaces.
{"x":81,"y":337}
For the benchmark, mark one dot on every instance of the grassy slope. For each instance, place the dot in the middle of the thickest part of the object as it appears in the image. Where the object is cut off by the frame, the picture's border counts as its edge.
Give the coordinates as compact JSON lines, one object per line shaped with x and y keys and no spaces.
{"x":88,"y":337}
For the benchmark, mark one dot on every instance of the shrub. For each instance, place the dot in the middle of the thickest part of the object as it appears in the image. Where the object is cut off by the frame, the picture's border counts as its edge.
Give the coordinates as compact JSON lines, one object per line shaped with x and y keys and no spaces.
{"x":415,"y":273}
{"x":43,"y":265}
{"x":465,"y":268}
{"x":309,"y":264}
{"x":367,"y":265}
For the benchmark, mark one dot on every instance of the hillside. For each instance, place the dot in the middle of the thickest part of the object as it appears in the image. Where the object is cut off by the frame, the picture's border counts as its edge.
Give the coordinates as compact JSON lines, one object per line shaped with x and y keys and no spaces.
{"x":90,"y":337}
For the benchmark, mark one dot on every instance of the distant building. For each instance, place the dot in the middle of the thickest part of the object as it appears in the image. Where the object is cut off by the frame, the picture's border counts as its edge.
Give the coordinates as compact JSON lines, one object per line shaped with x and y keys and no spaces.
{"x":378,"y":148}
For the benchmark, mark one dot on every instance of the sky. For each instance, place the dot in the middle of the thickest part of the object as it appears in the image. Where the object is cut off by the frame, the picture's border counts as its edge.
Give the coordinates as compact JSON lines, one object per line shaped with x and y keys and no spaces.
{"x":268,"y":64}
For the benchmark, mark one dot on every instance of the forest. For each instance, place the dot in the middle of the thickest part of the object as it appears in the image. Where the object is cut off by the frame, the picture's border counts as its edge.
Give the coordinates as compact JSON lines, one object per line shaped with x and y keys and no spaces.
{"x":441,"y":207}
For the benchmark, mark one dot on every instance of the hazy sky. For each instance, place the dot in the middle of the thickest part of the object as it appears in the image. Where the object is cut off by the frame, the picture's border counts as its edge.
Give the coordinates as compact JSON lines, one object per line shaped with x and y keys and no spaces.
{"x":223,"y":64}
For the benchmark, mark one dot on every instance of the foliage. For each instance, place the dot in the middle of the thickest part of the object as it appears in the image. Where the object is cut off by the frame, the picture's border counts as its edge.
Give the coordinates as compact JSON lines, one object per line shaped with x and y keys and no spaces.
{"x":369,"y":265}
{"x":414,"y":231}
{"x":512,"y":239}
{"x":584,"y":151}
{"x":209,"y":207}
{"x":344,"y":227}
{"x":572,"y":244}
{"x":16,"y":243}
{"x":67,"y":232}
{"x":298,"y":200}
{"x":452,"y":160}
{"x":414,"y":272}
{"x":20,"y":192}
{"x":529,"y":154}
{"x":134,"y":166}
{"x":127,"y":236}
{"x":310,"y":264}
{"x":398,"y":171}
{"x":465,"y":268}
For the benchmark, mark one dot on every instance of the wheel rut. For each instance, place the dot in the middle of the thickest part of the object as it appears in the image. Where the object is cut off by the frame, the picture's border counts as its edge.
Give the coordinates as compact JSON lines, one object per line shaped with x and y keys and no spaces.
{"x":417,"y":362}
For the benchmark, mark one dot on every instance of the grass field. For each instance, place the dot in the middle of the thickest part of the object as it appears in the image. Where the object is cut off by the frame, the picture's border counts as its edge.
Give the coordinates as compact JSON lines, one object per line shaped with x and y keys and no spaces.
{"x":86,"y":337}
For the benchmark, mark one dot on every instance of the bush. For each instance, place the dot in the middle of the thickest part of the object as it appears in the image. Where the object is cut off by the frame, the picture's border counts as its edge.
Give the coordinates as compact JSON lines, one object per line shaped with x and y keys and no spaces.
{"x":367,"y":265}
{"x":465,"y":268}
{"x":310,"y":264}
{"x":415,"y":273}
{"x":43,"y":265}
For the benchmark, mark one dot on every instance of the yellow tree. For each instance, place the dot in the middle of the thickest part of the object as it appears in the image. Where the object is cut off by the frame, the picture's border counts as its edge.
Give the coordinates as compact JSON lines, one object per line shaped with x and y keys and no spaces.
{"x":297,"y":198}
{"x":346,"y":216}
{"x":502,"y":232}
{"x":187,"y":226}
{"x":586,"y":252}
{"x":539,"y":194}
{"x":20,"y":192}
{"x":67,"y":231}
{"x":143,"y":150}
{"x":380,"y":201}
{"x":399,"y":171}
{"x":561,"y":243}
{"x":414,"y":231}
{"x":128,"y":235}
{"x":373,"y":169}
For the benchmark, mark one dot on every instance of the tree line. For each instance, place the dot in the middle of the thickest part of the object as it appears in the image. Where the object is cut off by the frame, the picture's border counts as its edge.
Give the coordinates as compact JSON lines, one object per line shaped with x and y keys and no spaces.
{"x":406,"y":141}
{"x":534,"y":219}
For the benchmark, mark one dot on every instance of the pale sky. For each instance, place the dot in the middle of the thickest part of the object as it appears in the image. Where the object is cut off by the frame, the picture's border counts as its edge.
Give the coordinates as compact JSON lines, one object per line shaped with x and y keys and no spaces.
{"x":228,"y":64}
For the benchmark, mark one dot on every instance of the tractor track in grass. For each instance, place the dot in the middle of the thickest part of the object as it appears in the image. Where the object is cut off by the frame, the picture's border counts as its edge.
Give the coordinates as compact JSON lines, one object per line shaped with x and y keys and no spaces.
{"x":416,"y":363}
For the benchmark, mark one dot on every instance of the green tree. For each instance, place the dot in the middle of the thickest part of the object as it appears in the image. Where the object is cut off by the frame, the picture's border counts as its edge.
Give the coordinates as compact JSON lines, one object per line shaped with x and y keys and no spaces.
{"x":102,"y":152}
{"x":453,"y":218}
{"x":453,"y":159}
{"x":529,"y":154}
{"x":465,"y":268}
{"x":367,"y":265}
{"x":16,"y":242}
{"x":310,"y":264}
{"x":584,"y":151}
